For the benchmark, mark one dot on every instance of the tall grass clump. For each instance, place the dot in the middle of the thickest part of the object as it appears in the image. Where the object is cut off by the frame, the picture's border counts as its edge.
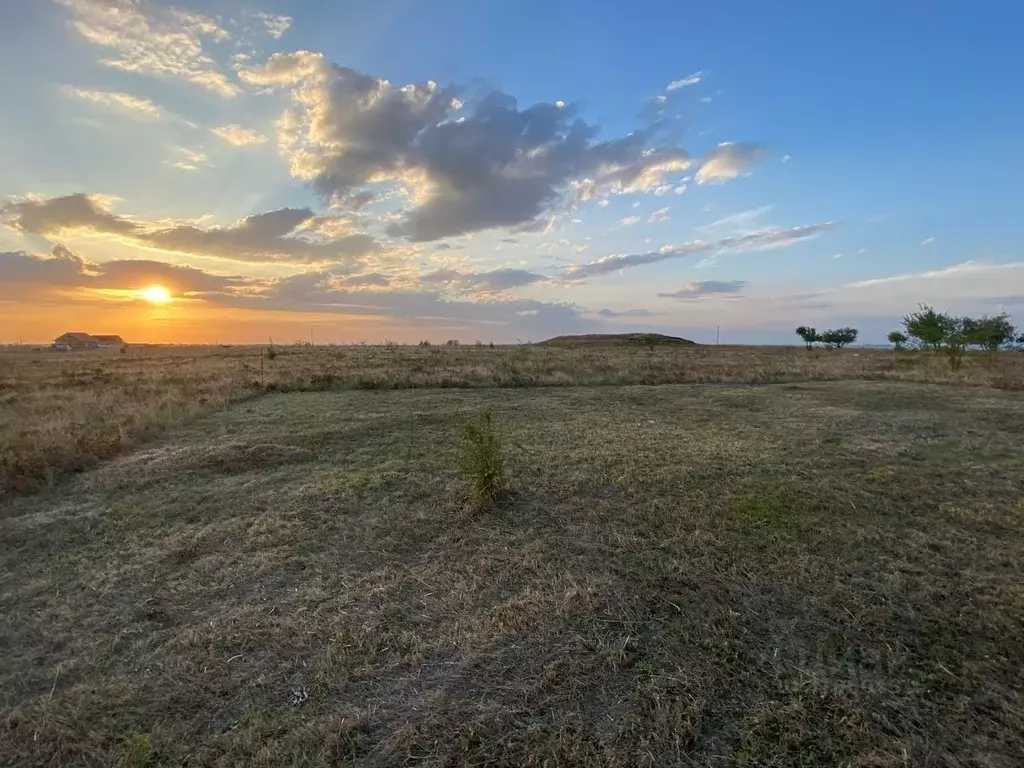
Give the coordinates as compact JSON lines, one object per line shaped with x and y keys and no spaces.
{"x":480,"y":460}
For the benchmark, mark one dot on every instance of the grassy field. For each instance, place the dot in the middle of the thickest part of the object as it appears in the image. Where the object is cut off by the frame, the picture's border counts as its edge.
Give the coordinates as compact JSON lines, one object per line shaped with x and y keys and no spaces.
{"x":61,"y":413}
{"x":805,"y":574}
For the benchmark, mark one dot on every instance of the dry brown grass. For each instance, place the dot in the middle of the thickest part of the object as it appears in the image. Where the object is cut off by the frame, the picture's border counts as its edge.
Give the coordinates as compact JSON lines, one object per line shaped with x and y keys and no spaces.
{"x":61,"y":413}
{"x":811,"y":574}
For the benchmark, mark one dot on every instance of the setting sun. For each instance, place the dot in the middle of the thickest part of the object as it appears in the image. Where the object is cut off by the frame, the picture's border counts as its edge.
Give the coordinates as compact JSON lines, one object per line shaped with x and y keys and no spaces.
{"x":155,"y":294}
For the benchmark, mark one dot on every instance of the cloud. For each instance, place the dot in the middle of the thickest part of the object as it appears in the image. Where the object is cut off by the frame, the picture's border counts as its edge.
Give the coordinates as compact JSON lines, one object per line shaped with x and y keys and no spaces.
{"x":928,"y":241}
{"x":760,"y":240}
{"x":730,"y":160}
{"x":139,"y":108}
{"x":237,"y":135}
{"x":658,"y":216}
{"x":629,"y":221}
{"x":61,"y":268}
{"x":956,"y":270}
{"x":610,"y":313}
{"x":371,"y":295}
{"x":276,"y":25}
{"x":699,"y":288}
{"x":266,"y":237}
{"x":191,"y":160}
{"x":693,"y":79}
{"x":151,"y":39}
{"x":369,"y":279}
{"x":741,"y":220}
{"x":61,"y":214}
{"x":494,"y":281}
{"x":65,"y":269}
{"x":487,"y":164}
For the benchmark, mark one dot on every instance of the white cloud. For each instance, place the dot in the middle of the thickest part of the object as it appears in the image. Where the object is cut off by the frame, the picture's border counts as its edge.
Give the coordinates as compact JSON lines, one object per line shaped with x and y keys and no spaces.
{"x":693,"y":79}
{"x":139,"y":108}
{"x":730,"y":160}
{"x":629,"y":221}
{"x":190,"y":160}
{"x":659,"y":215}
{"x":495,"y":165}
{"x":698,"y":288}
{"x":741,"y":221}
{"x":756,"y":241}
{"x":151,"y":39}
{"x":276,"y":25}
{"x":956,"y":270}
{"x":928,"y":241}
{"x":237,"y":135}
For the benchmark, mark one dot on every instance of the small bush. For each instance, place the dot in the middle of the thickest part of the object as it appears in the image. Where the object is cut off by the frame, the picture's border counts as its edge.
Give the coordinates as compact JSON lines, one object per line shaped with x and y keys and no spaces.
{"x":138,"y":753}
{"x":271,"y":353}
{"x":481,"y":461}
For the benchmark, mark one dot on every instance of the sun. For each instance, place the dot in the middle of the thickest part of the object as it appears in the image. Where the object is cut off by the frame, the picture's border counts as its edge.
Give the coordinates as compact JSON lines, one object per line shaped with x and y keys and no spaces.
{"x":155,"y":294}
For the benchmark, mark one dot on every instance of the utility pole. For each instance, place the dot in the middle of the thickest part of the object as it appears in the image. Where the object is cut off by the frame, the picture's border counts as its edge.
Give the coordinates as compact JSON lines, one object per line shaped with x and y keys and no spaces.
{"x":718,"y":334}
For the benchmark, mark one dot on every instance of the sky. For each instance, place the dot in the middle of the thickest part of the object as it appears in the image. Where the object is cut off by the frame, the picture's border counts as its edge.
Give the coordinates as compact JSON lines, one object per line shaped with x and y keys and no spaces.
{"x":507,"y":170}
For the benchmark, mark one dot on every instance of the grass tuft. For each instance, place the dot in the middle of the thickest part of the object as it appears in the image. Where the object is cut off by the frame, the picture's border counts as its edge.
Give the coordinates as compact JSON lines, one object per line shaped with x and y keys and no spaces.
{"x":481,"y":461}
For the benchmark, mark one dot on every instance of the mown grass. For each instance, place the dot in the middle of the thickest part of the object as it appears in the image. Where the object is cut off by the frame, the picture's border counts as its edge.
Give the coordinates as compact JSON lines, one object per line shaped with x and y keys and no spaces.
{"x":62,"y":413}
{"x":821,"y":573}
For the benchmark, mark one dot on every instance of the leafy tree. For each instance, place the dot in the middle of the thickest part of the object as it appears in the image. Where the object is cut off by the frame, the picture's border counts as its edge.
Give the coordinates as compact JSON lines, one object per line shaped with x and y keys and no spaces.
{"x":927,"y":326}
{"x":809,"y":335}
{"x":898,"y":339}
{"x":991,"y":333}
{"x":956,"y":336}
{"x":838,"y":338}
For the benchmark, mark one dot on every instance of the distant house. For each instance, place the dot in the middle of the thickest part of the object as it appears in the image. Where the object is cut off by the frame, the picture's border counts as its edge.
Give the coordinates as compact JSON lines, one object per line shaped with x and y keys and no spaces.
{"x":108,"y":340}
{"x":76,"y":340}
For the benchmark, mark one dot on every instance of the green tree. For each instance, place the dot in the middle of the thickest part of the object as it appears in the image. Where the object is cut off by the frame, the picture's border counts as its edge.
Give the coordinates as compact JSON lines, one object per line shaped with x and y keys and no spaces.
{"x":837,"y":338}
{"x":809,"y":335}
{"x":991,"y":333}
{"x":898,"y":339}
{"x":926,"y":326}
{"x":956,"y":336}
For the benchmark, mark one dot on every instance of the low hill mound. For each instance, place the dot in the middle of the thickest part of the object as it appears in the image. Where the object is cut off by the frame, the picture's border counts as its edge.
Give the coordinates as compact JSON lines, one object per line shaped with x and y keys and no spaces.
{"x":616,"y":339}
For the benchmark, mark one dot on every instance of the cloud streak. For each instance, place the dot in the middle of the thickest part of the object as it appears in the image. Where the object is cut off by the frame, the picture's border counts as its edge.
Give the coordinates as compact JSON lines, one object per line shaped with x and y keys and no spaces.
{"x":701,"y":288}
{"x":693,"y":79}
{"x":238,"y":136}
{"x":763,"y":239}
{"x":138,"y":108}
{"x":280,"y":236}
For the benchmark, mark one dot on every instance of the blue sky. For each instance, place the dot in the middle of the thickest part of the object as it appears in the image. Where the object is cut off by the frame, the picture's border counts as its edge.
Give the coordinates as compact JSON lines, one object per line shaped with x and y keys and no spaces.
{"x":507,"y":170}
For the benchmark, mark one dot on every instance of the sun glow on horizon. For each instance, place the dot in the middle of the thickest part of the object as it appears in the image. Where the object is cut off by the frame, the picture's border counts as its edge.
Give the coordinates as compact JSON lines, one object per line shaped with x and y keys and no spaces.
{"x":155,"y":294}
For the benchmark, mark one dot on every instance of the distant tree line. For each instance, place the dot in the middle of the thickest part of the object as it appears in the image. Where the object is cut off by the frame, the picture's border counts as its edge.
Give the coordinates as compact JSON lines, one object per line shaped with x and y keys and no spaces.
{"x":835,"y":338}
{"x":939,"y":331}
{"x":931,"y":330}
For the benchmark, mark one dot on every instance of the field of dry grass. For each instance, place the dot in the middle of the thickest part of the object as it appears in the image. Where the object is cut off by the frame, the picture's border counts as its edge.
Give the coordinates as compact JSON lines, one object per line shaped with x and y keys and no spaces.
{"x":61,"y":413}
{"x":803,"y":574}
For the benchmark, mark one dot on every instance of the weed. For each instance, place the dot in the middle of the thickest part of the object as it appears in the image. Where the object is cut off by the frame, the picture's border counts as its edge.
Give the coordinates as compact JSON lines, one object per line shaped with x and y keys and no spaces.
{"x":138,"y":753}
{"x":481,"y":461}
